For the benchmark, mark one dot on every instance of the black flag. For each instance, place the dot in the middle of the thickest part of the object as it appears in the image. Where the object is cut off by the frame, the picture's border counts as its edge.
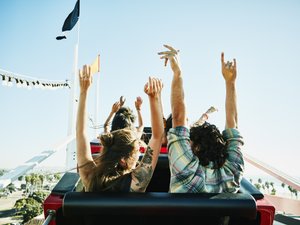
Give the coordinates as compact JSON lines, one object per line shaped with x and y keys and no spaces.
{"x":61,"y":37}
{"x":70,"y":21}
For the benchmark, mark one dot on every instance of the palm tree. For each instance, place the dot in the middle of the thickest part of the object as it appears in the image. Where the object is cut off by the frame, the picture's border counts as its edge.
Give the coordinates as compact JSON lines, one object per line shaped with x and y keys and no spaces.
{"x":41,"y":178}
{"x":296,"y":193}
{"x":57,"y":176}
{"x":33,"y":182}
{"x":259,"y":180}
{"x":2,"y":171}
{"x":258,"y":186}
{"x":273,"y":191}
{"x":291,"y":190}
{"x":267,"y":184}
{"x":49,"y":177}
{"x":27,"y":180}
{"x":11,"y":188}
{"x":20,"y":178}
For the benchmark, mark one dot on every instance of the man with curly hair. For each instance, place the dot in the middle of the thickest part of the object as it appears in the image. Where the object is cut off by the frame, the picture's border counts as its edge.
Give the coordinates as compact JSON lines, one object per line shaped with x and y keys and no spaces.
{"x":202,"y":159}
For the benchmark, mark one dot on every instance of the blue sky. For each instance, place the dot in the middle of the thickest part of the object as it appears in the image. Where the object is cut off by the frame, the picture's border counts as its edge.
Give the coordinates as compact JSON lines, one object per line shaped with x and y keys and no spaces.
{"x":262,"y":35}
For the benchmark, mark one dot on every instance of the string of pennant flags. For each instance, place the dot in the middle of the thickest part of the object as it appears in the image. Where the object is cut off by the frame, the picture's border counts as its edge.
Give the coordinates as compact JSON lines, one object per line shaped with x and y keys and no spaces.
{"x":10,"y":79}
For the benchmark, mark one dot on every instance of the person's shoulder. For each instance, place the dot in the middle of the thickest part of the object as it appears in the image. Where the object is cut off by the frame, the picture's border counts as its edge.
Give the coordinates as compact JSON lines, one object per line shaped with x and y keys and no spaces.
{"x":231,"y":133}
{"x":180,"y":130}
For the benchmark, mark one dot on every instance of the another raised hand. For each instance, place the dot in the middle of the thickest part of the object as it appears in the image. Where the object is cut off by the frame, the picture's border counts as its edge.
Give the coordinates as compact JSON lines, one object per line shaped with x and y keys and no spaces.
{"x":115,"y":107}
{"x":204,"y":116}
{"x":84,"y":155}
{"x":141,"y":176}
{"x":177,"y":92}
{"x":228,"y":69}
{"x":85,"y":78}
{"x":138,"y":103}
{"x":122,"y":100}
{"x":172,"y":56}
{"x":153,"y":89}
{"x":138,"y":106}
{"x":229,"y":73}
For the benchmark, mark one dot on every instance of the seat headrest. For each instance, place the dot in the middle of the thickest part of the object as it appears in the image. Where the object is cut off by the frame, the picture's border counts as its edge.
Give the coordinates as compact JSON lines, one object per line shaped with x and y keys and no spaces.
{"x":159,"y":203}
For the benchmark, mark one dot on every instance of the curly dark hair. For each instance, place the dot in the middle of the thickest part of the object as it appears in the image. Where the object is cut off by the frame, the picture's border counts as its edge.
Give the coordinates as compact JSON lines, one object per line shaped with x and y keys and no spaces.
{"x":124,"y":118}
{"x":208,"y":145}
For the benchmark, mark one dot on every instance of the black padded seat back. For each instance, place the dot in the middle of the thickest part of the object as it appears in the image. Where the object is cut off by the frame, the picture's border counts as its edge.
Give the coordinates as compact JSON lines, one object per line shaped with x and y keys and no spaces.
{"x":67,"y":183}
{"x":248,"y":188}
{"x":160,"y":180}
{"x":159,"y":204}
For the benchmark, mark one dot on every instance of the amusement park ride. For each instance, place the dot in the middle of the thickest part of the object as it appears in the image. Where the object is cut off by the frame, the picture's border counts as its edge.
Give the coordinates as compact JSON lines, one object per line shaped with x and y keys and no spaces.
{"x":68,"y":204}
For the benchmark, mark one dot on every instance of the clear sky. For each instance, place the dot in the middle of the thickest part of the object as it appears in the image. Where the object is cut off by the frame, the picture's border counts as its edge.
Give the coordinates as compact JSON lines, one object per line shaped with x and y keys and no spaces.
{"x":264,"y":37}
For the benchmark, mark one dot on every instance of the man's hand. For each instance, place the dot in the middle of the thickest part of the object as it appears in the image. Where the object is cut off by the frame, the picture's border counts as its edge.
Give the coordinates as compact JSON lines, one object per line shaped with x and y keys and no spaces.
{"x":138,"y":103}
{"x":229,"y":73}
{"x":171,"y":55}
{"x":228,"y":69}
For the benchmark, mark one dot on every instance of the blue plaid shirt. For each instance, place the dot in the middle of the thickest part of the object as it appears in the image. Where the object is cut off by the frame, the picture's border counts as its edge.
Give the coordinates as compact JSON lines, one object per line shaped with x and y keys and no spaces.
{"x":187,"y":175}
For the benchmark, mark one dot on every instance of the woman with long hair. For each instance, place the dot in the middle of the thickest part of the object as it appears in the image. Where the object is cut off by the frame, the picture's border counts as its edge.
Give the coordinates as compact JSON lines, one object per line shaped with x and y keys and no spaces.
{"x":118,"y":167}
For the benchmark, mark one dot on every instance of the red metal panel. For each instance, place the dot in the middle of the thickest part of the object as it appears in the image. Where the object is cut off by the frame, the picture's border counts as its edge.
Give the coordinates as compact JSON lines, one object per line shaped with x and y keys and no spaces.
{"x":96,"y":148}
{"x":163,"y":150}
{"x":52,"y":202}
{"x":266,"y":210}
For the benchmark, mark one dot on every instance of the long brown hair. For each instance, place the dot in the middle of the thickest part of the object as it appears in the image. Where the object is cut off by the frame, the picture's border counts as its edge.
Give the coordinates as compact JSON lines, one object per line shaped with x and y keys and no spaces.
{"x":116,"y":145}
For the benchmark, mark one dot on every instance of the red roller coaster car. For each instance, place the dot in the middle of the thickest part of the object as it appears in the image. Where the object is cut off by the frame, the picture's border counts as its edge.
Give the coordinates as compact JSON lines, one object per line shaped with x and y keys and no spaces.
{"x":68,"y":205}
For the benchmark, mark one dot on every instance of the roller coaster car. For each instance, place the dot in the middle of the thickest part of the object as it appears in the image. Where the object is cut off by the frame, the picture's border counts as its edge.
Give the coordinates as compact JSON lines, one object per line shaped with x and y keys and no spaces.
{"x":67,"y":204}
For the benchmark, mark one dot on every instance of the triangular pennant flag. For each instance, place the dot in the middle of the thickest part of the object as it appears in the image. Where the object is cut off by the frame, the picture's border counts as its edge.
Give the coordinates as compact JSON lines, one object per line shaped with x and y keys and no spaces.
{"x":70,"y":21}
{"x":95,"y":66}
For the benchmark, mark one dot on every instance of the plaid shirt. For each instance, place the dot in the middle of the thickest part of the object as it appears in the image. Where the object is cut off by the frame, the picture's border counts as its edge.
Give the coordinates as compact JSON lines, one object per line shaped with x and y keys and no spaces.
{"x":187,"y":175}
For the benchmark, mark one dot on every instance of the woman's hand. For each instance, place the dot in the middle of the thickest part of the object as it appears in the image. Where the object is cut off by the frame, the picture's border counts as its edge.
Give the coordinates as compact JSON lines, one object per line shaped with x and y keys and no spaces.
{"x":85,"y":78}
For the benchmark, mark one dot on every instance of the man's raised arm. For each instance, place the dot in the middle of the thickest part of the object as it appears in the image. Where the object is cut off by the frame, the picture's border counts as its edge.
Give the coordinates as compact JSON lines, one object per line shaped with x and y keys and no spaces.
{"x":229,"y":74}
{"x":177,"y":92}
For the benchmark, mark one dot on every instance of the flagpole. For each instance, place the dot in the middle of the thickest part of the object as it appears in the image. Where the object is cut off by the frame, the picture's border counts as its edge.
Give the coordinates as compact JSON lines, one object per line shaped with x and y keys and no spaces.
{"x":97,"y":106}
{"x":97,"y":98}
{"x":71,"y":148}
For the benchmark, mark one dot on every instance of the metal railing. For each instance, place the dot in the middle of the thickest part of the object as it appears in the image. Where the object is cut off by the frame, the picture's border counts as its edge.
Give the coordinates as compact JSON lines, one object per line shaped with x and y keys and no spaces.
{"x":281,"y":204}
{"x":20,"y":170}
